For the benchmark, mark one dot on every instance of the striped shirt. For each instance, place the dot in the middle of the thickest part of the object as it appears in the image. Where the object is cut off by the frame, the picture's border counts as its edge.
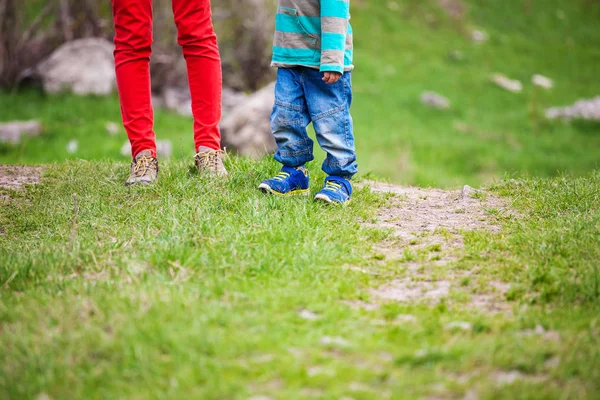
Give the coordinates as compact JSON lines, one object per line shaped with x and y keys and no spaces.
{"x":313,"y":33}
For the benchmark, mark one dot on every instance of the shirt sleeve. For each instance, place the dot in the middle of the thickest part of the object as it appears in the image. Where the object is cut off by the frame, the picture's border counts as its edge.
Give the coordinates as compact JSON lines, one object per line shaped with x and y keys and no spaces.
{"x":335,"y":17}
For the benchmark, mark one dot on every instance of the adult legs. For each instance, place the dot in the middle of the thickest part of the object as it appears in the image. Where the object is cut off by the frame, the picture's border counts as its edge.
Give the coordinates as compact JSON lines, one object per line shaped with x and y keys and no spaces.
{"x":133,"y":46}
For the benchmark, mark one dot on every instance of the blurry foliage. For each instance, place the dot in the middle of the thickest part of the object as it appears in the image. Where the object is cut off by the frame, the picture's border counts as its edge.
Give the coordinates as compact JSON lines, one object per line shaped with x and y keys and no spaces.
{"x":31,"y":29}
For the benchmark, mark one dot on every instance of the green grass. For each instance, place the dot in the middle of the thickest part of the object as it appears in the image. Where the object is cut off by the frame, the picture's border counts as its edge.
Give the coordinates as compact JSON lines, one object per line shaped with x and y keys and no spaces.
{"x":192,"y":289}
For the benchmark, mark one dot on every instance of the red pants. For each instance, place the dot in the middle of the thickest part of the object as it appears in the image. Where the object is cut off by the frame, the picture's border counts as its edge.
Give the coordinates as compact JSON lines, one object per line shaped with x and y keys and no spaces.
{"x":133,"y":46}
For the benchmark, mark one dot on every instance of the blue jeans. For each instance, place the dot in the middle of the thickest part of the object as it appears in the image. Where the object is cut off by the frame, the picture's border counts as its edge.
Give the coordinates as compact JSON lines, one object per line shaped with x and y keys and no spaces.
{"x":301,"y":97}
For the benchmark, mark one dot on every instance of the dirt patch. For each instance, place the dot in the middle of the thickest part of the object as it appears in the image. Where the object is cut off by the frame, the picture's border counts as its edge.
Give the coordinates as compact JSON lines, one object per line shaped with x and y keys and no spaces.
{"x":427,"y":238}
{"x":14,"y":177}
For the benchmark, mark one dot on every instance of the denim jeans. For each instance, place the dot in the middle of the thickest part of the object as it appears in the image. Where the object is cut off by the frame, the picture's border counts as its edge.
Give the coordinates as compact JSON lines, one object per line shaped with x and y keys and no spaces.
{"x":301,"y":97}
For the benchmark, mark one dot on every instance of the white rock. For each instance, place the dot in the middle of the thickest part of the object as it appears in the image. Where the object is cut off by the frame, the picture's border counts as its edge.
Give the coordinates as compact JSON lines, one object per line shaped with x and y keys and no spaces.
{"x":462,"y":325}
{"x":479,"y":36}
{"x":72,"y":146}
{"x":542,"y":81}
{"x":406,"y":318}
{"x":178,"y":100}
{"x":468,"y":191}
{"x":308,"y":315}
{"x":335,"y":340}
{"x":507,"y":83}
{"x":586,"y":109}
{"x":392,"y":5}
{"x":12,"y":132}
{"x":435,"y":100}
{"x":83,"y":66}
{"x":112,"y":128}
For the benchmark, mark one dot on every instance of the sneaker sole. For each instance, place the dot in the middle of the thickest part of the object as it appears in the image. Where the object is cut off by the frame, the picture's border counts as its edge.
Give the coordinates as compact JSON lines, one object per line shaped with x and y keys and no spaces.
{"x":325,"y":199}
{"x":267,"y":189}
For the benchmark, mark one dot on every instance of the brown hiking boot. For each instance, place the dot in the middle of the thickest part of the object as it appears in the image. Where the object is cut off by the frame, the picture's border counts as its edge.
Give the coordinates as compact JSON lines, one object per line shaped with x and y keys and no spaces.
{"x":144,"y":169}
{"x":210,"y":161}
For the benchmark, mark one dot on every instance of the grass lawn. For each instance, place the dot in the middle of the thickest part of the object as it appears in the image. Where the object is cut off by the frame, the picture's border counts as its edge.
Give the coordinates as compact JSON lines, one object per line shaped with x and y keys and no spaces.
{"x":195,"y":288}
{"x":199,"y":289}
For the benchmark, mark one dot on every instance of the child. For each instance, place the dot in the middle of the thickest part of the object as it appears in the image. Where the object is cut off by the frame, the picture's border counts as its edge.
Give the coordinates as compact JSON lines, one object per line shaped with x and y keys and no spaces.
{"x":313,"y":51}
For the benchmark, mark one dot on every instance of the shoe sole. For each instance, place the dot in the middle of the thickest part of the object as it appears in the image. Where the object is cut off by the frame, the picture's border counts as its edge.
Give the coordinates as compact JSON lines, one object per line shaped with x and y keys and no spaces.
{"x":267,"y":189}
{"x":325,"y":199}
{"x":139,"y":183}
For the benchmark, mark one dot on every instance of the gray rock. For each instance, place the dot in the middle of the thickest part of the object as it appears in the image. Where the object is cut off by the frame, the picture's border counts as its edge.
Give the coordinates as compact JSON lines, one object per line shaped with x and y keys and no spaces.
{"x":72,"y":146}
{"x":435,"y":100}
{"x":84,"y":66}
{"x":479,"y":36}
{"x":468,"y":191}
{"x":246,"y":129}
{"x":586,"y":109}
{"x":178,"y":100}
{"x":506,"y":83}
{"x":12,"y":132}
{"x":164,"y":148}
{"x":112,"y":128}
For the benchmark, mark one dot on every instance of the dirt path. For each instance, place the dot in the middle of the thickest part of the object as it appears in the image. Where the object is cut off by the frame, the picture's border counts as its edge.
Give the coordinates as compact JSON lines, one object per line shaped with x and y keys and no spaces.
{"x":427,"y":240}
{"x":14,"y":177}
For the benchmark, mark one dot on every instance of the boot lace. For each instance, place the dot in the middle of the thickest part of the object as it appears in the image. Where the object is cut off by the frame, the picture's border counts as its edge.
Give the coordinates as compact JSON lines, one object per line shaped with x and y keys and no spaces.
{"x":209,"y":160}
{"x":142,"y":165}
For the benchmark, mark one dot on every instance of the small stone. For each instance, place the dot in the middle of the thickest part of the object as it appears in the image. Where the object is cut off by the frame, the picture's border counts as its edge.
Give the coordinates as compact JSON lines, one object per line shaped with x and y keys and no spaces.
{"x":260,"y":397}
{"x":471,"y":395}
{"x":308,"y":315}
{"x":314,"y":371}
{"x":42,"y":396}
{"x":392,"y":5}
{"x":435,"y":100}
{"x":506,"y":83}
{"x":479,"y":36}
{"x":468,"y":191}
{"x":11,"y":132}
{"x":406,"y":318}
{"x":112,"y":128}
{"x":459,"y":325}
{"x":72,"y":146}
{"x":335,"y":340}
{"x":552,"y":363}
{"x":542,"y":81}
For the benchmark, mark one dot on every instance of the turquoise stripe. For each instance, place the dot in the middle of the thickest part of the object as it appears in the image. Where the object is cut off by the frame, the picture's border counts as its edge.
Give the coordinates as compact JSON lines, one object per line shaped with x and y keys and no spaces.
{"x":332,"y":68}
{"x":335,"y":8}
{"x":348,"y":55}
{"x":293,"y":24}
{"x":283,"y":54}
{"x":333,"y":41}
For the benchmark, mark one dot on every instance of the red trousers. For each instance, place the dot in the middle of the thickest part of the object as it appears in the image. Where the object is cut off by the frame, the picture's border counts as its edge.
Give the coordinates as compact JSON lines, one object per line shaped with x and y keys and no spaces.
{"x":133,"y":46}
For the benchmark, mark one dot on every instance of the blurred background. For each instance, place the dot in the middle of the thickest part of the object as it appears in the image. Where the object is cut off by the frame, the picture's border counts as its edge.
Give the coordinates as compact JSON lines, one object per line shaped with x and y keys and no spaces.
{"x":447,"y":92}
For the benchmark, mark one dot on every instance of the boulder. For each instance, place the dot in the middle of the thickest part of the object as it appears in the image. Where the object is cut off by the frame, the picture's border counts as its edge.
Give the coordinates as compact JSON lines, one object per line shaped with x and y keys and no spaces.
{"x":12,"y":132}
{"x":83,"y":67}
{"x":246,"y":129}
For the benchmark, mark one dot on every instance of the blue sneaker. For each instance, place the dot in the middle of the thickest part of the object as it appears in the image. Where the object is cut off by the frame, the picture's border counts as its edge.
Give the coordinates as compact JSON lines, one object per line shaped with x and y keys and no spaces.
{"x":289,"y":182}
{"x":336,"y":190}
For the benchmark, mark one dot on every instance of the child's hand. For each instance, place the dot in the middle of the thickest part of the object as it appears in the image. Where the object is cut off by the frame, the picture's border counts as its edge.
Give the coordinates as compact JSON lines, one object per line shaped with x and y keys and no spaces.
{"x":331,"y":77}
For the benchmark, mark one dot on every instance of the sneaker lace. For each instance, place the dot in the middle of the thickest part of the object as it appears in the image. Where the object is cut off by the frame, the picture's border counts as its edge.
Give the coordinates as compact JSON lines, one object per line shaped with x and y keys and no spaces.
{"x":141,"y":166}
{"x":209,"y":160}
{"x":331,"y":185}
{"x":281,"y":176}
